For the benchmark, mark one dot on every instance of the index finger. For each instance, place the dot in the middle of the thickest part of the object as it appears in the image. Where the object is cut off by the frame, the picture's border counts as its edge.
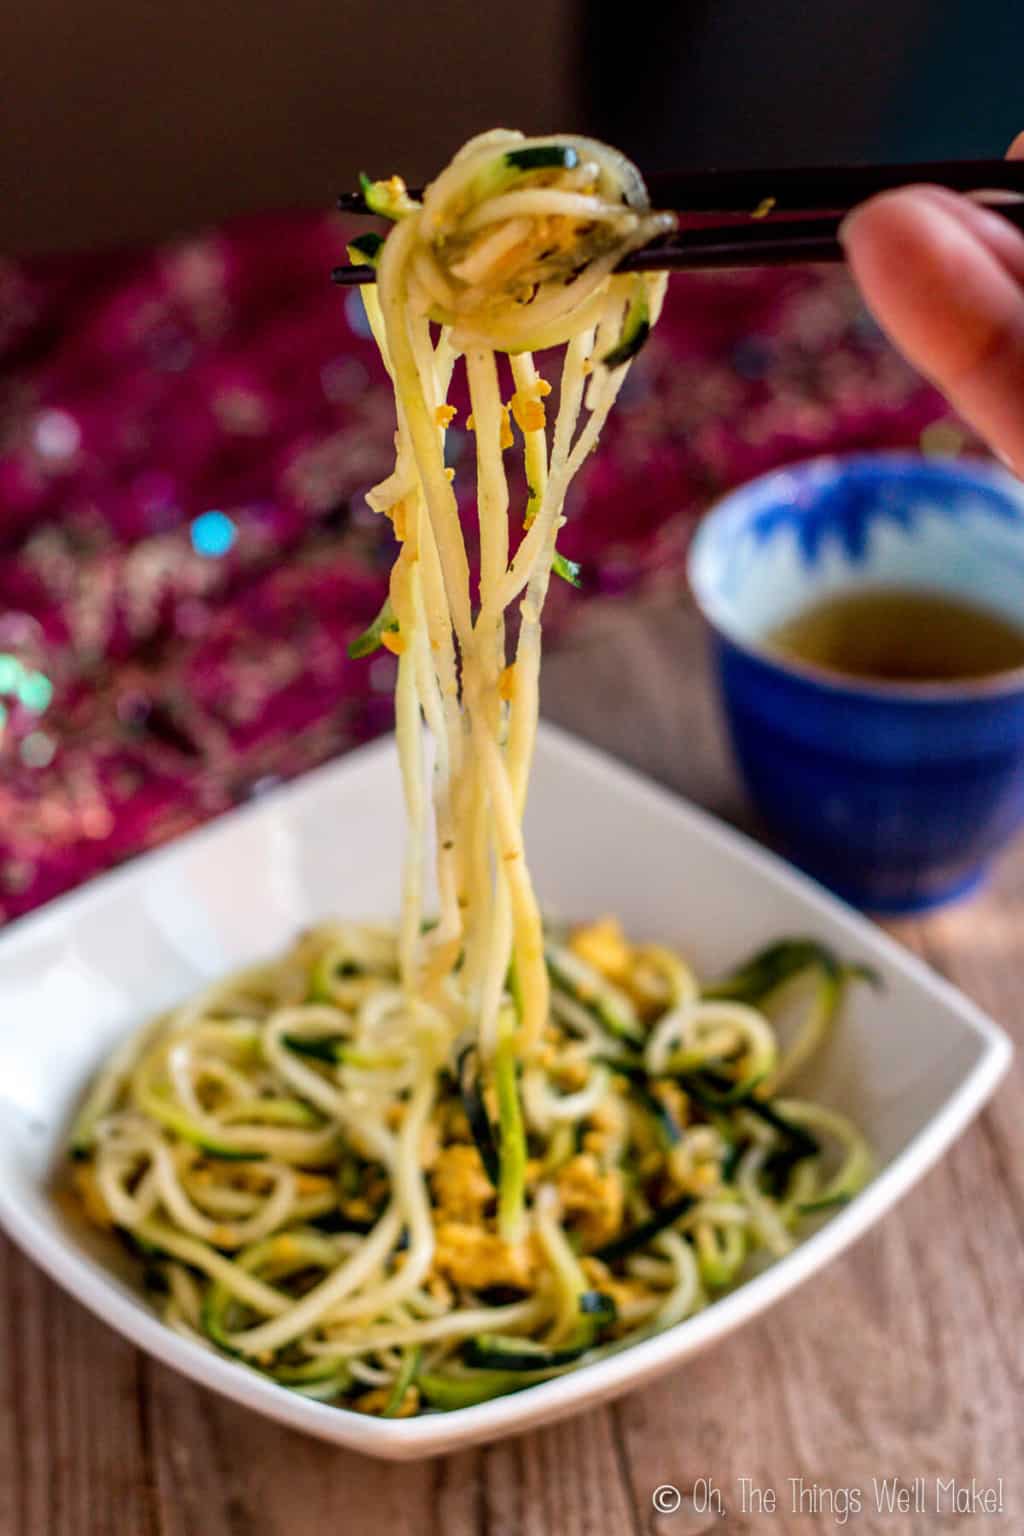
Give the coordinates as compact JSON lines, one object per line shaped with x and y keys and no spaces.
{"x":950,"y":299}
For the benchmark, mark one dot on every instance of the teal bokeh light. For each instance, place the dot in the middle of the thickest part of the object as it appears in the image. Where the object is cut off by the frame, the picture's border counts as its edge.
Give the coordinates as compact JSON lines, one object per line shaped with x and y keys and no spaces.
{"x":213,"y":534}
{"x":35,"y":691}
{"x":11,"y":673}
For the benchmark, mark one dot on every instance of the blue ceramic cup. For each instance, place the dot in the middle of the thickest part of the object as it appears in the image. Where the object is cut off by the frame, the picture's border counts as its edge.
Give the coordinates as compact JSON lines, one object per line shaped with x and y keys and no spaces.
{"x":897,"y":795}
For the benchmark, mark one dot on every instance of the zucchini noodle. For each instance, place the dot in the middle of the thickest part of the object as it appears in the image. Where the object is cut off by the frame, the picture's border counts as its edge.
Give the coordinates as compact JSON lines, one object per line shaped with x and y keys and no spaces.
{"x":408,"y":1169}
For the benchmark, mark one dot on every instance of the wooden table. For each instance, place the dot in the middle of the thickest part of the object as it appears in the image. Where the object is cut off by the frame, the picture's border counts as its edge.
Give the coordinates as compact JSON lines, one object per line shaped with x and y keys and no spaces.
{"x":905,"y":1359}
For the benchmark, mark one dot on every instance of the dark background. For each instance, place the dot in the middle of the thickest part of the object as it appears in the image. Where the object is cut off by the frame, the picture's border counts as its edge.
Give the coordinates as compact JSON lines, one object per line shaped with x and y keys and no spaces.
{"x":125,"y":119}
{"x":731,"y":82}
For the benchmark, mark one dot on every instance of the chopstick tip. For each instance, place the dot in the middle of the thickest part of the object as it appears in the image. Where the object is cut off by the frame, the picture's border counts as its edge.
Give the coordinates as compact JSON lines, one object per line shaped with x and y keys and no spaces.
{"x":349,"y":277}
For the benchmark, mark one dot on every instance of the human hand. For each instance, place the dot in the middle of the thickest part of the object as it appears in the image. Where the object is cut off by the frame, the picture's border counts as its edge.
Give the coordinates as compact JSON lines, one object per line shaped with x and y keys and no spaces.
{"x":944,"y":278}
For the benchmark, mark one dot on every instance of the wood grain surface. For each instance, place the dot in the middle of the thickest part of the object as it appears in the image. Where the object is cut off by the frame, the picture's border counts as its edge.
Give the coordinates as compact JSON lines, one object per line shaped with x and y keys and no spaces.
{"x":905,"y":1359}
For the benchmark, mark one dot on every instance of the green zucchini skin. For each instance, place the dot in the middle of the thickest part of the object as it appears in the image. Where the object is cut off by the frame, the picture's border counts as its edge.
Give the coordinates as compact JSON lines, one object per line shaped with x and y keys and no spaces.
{"x":542,"y":157}
{"x":666,"y":1127}
{"x":636,"y":327}
{"x":511,"y":1139}
{"x":766,"y":970}
{"x":598,"y":1304}
{"x":503,"y":173}
{"x":628,"y":346}
{"x":337,"y":1050}
{"x":720,"y":1261}
{"x":833,"y":1203}
{"x":365,"y":250}
{"x":705,"y":1088}
{"x":319,"y":1047}
{"x":178,"y":1120}
{"x":496,"y":1352}
{"x":372,"y":637}
{"x":491,"y":1352}
{"x":403,"y":1381}
{"x":803,"y":1144}
{"x":380,"y":198}
{"x":568,"y":570}
{"x":471,"y":1093}
{"x":326,"y":1389}
{"x":448,"y":1393}
{"x":82,"y":1142}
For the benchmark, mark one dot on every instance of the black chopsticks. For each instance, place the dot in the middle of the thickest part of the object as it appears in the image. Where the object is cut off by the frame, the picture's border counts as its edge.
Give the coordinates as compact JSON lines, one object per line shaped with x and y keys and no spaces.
{"x":757,"y":207}
{"x":801,"y":187}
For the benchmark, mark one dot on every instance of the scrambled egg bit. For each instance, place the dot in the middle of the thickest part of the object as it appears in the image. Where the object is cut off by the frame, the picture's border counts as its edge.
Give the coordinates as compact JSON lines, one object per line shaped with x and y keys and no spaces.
{"x":462,"y":1190}
{"x":674,"y":1099}
{"x":603,"y":945}
{"x":84,"y":1180}
{"x":649,"y":974}
{"x":527,"y":407}
{"x":592,"y":1200}
{"x":605,"y":1125}
{"x":470,"y":1257}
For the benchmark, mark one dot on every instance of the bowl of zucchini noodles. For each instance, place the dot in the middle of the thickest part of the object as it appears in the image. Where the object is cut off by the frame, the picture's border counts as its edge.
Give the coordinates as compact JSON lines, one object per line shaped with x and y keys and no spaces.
{"x":315,"y":1190}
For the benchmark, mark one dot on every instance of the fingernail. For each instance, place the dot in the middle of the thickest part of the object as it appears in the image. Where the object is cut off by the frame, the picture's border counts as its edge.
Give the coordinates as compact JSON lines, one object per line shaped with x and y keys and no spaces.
{"x":898,"y":196}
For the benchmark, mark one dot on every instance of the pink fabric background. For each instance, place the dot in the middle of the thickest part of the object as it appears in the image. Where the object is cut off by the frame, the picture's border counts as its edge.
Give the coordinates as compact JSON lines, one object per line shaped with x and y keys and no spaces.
{"x":142,"y":390}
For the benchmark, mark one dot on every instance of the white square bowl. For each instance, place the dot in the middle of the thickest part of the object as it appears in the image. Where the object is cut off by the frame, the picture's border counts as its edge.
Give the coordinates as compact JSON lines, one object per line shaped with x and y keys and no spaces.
{"x":912,"y":1065}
